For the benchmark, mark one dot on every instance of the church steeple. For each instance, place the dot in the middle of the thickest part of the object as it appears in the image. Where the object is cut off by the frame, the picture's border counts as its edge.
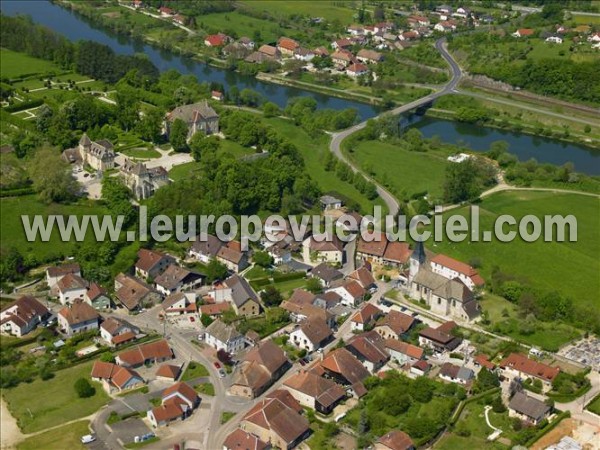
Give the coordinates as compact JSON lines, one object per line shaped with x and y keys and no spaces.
{"x":85,"y":141}
{"x":417,"y":259}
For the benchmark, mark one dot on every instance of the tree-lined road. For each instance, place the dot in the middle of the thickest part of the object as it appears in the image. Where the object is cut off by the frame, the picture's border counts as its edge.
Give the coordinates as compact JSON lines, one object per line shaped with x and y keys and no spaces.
{"x":337,"y":138}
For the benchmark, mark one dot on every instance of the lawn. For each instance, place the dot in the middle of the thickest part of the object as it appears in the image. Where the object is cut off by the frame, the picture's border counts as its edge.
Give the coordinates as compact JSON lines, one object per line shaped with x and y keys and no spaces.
{"x":328,"y":10}
{"x":140,"y":153}
{"x":400,"y":170}
{"x":226,"y":416}
{"x":205,"y":388}
{"x":312,"y":151}
{"x":194,"y":370}
{"x":594,"y":406}
{"x":568,"y":267}
{"x":183,"y":171}
{"x":235,"y":149}
{"x":42,"y":404}
{"x":241,"y":24}
{"x":64,"y":437}
{"x":14,"y":64}
{"x":13,"y":234}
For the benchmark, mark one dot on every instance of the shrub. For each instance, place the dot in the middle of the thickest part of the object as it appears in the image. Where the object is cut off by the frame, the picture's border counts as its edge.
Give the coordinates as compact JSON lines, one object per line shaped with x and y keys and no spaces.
{"x":84,"y":389}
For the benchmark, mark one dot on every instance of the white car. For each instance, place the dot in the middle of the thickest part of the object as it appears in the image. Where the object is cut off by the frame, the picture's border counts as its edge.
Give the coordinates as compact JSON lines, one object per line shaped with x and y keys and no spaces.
{"x":222,"y":373}
{"x":88,"y":438}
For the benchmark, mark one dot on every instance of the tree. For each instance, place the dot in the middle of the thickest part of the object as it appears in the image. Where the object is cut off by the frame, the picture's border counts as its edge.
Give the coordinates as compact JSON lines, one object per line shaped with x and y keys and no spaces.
{"x":460,"y":182}
{"x":205,"y":320}
{"x":150,"y":125}
{"x":178,"y":135}
{"x":215,"y":270}
{"x":201,"y":144}
{"x":83,"y":388}
{"x":271,"y":296}
{"x":262,"y":259}
{"x":422,"y":389}
{"x":486,"y":380}
{"x":314,"y":285}
{"x":52,"y":178}
{"x":107,"y":357}
{"x":270,"y":109}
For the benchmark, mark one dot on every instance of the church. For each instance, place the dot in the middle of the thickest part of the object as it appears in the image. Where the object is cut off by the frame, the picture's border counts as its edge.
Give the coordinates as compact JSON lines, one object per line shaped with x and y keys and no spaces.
{"x":98,"y":155}
{"x":448,"y":291}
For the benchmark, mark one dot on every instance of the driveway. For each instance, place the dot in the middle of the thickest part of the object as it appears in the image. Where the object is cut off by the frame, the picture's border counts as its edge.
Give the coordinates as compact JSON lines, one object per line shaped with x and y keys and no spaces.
{"x":126,"y":430}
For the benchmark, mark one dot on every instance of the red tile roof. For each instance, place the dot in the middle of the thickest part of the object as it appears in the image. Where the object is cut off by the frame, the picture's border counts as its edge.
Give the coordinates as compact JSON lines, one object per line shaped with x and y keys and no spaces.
{"x":398,"y":252}
{"x":168,"y":371}
{"x":536,"y":369}
{"x":147,"y":259}
{"x":396,"y":440}
{"x":483,"y":361}
{"x":287,"y":43}
{"x":153,"y":350}
{"x":366,"y":314}
{"x":398,"y":322}
{"x":78,"y":312}
{"x":167,"y":412}
{"x":242,"y":440}
{"x":405,"y":348}
{"x":183,"y":389}
{"x":215,"y":40}
{"x":375,"y":247}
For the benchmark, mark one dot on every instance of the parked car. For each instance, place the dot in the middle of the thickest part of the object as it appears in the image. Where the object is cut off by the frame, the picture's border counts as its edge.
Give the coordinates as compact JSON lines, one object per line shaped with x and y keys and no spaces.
{"x":302,"y":362}
{"x":88,"y":438}
{"x":222,"y":373}
{"x":192,"y":319}
{"x":217,"y":365}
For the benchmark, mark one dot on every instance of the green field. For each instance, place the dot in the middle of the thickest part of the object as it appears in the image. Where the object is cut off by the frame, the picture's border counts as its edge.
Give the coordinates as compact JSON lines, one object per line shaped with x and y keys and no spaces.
{"x":43,"y":404}
{"x":140,"y":153}
{"x":571,"y":268}
{"x":312,"y":150}
{"x":13,"y":65}
{"x":194,"y":370}
{"x":328,"y":10}
{"x":241,"y":24}
{"x":594,"y":406}
{"x":13,"y":234}
{"x":403,"y":172}
{"x":64,"y":437}
{"x":582,"y":19}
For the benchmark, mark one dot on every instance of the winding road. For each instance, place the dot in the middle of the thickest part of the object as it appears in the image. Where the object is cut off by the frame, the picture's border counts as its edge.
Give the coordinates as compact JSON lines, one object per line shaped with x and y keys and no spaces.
{"x":337,"y":138}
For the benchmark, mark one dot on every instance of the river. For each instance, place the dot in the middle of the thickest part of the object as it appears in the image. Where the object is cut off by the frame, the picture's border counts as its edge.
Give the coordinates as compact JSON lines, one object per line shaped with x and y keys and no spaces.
{"x":75,"y":27}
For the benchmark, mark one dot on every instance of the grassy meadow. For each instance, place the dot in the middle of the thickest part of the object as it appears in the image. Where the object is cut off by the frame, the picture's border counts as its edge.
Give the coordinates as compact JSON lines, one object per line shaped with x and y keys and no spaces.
{"x":68,"y":436}
{"x":328,"y":10}
{"x":14,"y":65}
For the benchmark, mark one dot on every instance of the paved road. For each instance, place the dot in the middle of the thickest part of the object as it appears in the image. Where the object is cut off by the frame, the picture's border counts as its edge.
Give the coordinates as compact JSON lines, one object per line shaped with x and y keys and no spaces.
{"x":337,"y":138}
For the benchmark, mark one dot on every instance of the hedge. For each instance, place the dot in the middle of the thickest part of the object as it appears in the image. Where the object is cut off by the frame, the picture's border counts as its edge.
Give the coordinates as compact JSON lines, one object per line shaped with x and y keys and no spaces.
{"x":461,"y":405}
{"x":24,"y":105}
{"x":16,"y":192}
{"x":547,"y":428}
{"x":288,"y":276}
{"x":566,"y":398}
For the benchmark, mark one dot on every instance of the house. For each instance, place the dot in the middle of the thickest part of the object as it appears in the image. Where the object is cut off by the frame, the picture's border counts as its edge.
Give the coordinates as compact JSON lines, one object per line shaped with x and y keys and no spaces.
{"x":449,"y":298}
{"x":394,"y":325}
{"x":216,"y":40}
{"x":99,"y":155}
{"x":594,"y":37}
{"x":165,"y":12}
{"x":329,"y":202}
{"x":523,"y":32}
{"x":321,"y":52}
{"x":217,"y":95}
{"x":137,"y":4}
{"x":517,"y":365}
{"x":403,"y":352}
{"x":277,"y":419}
{"x":205,"y":248}
{"x":554,"y":39}
{"x":420,"y":368}
{"x":355,"y":30}
{"x":395,"y":440}
{"x":369,"y":349}
{"x":224,"y":337}
{"x":22,"y":316}
{"x":324,"y":247}
{"x":133,"y":293}
{"x":451,"y":268}
{"x":365,"y":317}
{"x":70,"y":288}
{"x":261,"y":367}
{"x":369,"y":56}
{"x":439,"y":339}
{"x":214,"y":310}
{"x":408,"y":36}
{"x":247,"y":42}
{"x":462,"y":12}
{"x":242,"y":440}
{"x":141,"y":180}
{"x":197,"y":116}
{"x":178,"y":402}
{"x":456,"y":374}
{"x":341,"y":44}
{"x":445,"y":26}
{"x":178,"y":304}
{"x":343,"y":367}
{"x":342,"y":58}
{"x":303,"y":54}
{"x":168,"y":372}
{"x":300,"y":312}
{"x":78,"y":317}
{"x":373,"y":249}
{"x":177,"y":279}
{"x":115,"y":378}
{"x":396,"y":254}
{"x":116,"y":331}
{"x":326,"y":274}
{"x":55,"y":273}
{"x":527,"y":408}
{"x":357,"y":69}
{"x":313,"y":391}
{"x":351,"y":291}
{"x":280,"y":251}
{"x":231,"y":255}
{"x":150,"y":353}
{"x":151,"y":263}
{"x":269,"y":52}
{"x":482,"y":360}
{"x":311,"y":335}
{"x":287,"y":46}
{"x":327,"y":300}
{"x":179,"y":19}
{"x":97,"y":297}
{"x":418,"y":21}
{"x":364,"y":277}
{"x":236,"y":291}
